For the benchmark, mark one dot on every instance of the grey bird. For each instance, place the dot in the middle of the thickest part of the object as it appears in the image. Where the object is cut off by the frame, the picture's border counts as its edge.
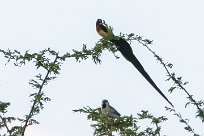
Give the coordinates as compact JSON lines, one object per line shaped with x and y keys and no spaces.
{"x":109,"y":110}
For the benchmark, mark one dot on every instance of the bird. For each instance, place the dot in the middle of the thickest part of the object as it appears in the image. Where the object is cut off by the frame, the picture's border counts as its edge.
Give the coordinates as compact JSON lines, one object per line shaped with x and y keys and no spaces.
{"x":124,"y":47}
{"x":109,"y":110}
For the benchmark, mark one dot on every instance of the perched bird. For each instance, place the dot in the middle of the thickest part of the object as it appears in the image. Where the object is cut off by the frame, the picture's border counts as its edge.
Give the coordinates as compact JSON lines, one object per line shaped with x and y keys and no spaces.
{"x":124,"y":47}
{"x":109,"y":110}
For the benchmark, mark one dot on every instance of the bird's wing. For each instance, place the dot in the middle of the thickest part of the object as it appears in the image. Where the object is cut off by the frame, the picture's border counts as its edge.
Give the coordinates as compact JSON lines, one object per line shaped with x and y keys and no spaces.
{"x":103,"y":28}
{"x":114,"y":111}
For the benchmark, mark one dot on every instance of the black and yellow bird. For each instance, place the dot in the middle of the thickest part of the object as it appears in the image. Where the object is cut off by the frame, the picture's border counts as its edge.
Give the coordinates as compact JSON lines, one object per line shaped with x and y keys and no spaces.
{"x":124,"y":47}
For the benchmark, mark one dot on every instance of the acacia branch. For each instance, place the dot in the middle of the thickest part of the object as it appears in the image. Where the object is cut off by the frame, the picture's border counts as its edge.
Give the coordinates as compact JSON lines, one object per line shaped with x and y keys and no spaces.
{"x":36,"y":99}
{"x":172,"y":77}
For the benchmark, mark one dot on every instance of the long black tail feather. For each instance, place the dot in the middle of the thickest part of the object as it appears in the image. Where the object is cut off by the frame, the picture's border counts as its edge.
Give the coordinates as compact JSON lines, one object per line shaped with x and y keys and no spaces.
{"x":139,"y":67}
{"x":126,"y":50}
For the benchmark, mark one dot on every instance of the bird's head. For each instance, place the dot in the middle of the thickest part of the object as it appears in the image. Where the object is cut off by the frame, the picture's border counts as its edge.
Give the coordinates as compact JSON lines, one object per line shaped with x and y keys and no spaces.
{"x":105,"y":103}
{"x":99,"y":21}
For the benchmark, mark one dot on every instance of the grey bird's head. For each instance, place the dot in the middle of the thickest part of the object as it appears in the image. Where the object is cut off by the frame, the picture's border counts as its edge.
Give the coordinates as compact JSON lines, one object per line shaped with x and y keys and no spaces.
{"x":109,"y":110}
{"x":105,"y":103}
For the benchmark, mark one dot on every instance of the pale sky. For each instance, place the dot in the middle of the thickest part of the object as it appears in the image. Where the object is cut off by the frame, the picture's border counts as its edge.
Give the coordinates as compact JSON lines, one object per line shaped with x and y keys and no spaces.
{"x":176,"y":27}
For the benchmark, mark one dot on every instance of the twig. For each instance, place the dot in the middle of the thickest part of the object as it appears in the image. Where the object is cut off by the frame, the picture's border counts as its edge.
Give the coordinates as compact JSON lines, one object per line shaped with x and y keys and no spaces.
{"x":4,"y":121}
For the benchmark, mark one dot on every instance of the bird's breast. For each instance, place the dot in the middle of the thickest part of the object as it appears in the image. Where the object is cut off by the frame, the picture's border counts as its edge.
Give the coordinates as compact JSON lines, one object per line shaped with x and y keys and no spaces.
{"x":101,"y":32}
